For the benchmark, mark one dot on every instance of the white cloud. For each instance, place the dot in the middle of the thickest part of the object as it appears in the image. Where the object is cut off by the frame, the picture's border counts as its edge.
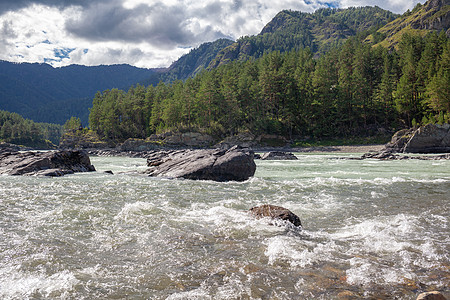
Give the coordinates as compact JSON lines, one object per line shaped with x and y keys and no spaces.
{"x":145,"y":33}
{"x":396,"y":6}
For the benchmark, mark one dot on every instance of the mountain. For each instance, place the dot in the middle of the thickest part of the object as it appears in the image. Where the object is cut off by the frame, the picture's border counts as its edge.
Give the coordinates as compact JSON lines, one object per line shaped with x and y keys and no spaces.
{"x":433,"y":15}
{"x":191,"y":63}
{"x":293,"y":30}
{"x":46,"y":94}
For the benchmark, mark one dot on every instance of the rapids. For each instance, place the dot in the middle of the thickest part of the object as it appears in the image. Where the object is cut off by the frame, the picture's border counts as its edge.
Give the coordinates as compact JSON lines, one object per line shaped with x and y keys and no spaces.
{"x":371,"y":229}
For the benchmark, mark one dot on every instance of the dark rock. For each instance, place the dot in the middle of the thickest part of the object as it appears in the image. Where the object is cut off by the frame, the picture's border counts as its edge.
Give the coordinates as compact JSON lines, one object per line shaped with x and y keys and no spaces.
{"x":52,"y":163}
{"x":204,"y":164}
{"x":109,"y":172}
{"x":431,"y":138}
{"x":431,"y":296}
{"x":275,"y":212}
{"x":278,"y":155}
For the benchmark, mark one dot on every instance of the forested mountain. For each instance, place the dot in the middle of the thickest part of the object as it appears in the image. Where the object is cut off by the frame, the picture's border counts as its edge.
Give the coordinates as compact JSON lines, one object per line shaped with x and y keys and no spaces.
{"x":46,"y":94}
{"x":352,"y":90}
{"x":433,"y":15}
{"x":191,"y":63}
{"x":293,"y":30}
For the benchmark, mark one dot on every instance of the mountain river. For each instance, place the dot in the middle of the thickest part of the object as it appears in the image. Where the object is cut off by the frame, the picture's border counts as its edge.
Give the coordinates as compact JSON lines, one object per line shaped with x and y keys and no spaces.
{"x":371,"y":230}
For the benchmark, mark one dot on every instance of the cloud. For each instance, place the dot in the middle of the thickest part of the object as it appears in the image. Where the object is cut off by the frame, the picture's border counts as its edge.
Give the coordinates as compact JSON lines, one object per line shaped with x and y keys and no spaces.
{"x":150,"y":33}
{"x":397,"y":6}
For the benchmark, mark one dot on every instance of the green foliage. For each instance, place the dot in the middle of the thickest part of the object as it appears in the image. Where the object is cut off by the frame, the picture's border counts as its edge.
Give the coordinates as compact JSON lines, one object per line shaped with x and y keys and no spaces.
{"x":320,"y":31}
{"x":351,"y":91}
{"x":17,"y":130}
{"x":72,"y":124}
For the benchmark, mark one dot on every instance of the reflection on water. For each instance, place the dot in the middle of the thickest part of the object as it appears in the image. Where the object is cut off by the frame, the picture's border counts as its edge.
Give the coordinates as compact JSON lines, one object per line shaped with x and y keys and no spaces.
{"x":371,"y":229}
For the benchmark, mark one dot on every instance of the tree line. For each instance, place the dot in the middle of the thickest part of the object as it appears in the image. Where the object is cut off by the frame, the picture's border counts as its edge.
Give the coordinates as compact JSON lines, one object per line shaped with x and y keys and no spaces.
{"x":352,"y":90}
{"x":17,"y":130}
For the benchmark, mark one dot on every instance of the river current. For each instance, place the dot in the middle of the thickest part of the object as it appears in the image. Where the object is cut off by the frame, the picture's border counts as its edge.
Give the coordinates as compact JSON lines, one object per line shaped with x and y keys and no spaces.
{"x":371,"y":230}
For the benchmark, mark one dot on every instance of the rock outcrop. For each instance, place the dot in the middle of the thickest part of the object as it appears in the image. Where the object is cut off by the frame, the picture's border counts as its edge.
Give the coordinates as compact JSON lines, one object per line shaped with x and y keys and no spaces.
{"x":203,"y":164}
{"x":52,"y":163}
{"x":278,"y":155}
{"x":431,"y":138}
{"x":276,"y":213}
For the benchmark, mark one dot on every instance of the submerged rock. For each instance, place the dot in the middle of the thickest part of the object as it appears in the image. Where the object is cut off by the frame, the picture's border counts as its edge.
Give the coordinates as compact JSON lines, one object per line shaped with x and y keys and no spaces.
{"x":275,"y":212}
{"x":278,"y":155}
{"x":52,"y":163}
{"x":203,"y":164}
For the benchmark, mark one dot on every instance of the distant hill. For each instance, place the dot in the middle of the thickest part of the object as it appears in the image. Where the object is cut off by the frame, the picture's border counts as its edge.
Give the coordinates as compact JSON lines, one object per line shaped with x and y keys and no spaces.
{"x":433,"y":15}
{"x":45,"y":94}
{"x":191,"y":63}
{"x":293,"y":30}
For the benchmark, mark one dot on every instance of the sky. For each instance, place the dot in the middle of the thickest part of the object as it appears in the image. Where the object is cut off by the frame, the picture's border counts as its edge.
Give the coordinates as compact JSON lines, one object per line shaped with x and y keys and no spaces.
{"x":143,"y":33}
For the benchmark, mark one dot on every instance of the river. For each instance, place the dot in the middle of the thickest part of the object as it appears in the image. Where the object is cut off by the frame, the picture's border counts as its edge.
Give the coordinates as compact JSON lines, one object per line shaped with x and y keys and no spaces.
{"x":371,"y":229}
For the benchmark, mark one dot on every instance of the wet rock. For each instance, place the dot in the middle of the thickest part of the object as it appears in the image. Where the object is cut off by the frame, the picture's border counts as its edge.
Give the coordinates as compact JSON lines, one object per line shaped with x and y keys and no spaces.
{"x":431,"y":296}
{"x":109,"y":172}
{"x":203,"y":164}
{"x":52,"y":163}
{"x":278,"y":155}
{"x":275,"y":212}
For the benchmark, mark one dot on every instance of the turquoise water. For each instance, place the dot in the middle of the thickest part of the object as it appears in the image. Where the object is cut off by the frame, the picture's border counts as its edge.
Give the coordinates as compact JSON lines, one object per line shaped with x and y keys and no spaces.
{"x":371,"y":229}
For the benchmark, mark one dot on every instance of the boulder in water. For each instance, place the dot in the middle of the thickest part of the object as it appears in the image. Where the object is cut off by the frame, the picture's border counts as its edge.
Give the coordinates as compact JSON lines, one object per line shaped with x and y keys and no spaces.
{"x":278,"y":155}
{"x":275,"y":212}
{"x":203,"y":164}
{"x":51,"y":163}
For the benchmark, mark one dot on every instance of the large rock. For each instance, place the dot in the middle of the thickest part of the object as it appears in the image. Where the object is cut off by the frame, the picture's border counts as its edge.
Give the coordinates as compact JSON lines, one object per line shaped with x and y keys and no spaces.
{"x":278,"y":155}
{"x":52,"y":163}
{"x":203,"y":164}
{"x":275,"y":212}
{"x":431,"y":138}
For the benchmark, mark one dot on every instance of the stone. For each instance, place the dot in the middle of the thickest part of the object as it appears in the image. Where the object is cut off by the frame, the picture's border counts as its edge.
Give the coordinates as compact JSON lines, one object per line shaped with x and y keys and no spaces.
{"x":278,"y":155}
{"x":51,"y":163}
{"x":202,"y":164}
{"x":275,"y":212}
{"x":431,"y":296}
{"x":431,"y":138}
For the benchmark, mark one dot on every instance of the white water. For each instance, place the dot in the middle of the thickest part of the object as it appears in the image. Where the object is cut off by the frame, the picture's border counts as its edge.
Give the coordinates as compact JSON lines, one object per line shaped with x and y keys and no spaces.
{"x":371,"y":229}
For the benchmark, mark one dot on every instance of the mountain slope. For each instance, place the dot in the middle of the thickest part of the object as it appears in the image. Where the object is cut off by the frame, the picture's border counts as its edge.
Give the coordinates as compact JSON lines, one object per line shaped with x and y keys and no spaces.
{"x":35,"y":90}
{"x":293,"y":30}
{"x":190,"y":64}
{"x":434,"y":15}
